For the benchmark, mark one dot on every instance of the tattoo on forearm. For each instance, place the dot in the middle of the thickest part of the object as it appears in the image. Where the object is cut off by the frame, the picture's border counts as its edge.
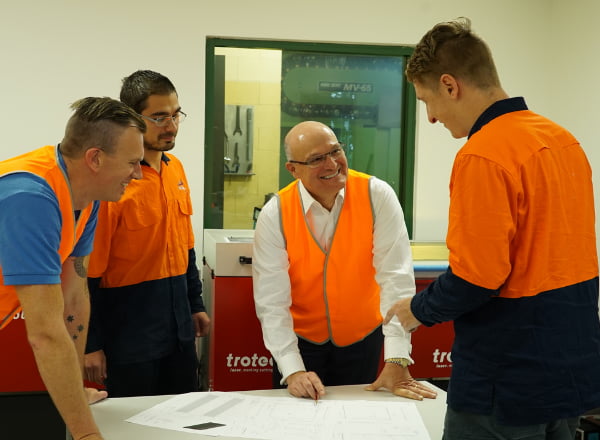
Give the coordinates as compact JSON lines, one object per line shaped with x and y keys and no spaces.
{"x":80,"y":328}
{"x":80,"y":269}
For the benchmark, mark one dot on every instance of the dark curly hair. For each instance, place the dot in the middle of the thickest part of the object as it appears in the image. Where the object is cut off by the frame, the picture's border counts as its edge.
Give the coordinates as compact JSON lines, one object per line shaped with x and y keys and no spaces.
{"x":138,"y":86}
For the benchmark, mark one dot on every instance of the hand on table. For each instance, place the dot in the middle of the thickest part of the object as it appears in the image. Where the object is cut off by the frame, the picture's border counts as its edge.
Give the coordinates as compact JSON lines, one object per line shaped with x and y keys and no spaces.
{"x":398,"y":380}
{"x":93,"y":395}
{"x":305,"y":384}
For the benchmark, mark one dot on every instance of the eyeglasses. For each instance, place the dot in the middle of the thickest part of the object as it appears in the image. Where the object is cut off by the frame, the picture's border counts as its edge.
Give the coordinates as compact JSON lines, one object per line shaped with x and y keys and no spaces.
{"x":317,"y":161}
{"x":163,"y":121}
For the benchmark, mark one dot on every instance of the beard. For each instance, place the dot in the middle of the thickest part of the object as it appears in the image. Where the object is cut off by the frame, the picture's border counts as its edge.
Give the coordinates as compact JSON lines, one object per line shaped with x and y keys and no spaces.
{"x":160,"y":144}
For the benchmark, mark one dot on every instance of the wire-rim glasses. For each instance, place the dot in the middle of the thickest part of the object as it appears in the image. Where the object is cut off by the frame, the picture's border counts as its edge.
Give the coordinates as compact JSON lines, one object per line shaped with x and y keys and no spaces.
{"x":317,"y":161}
{"x":163,"y":121}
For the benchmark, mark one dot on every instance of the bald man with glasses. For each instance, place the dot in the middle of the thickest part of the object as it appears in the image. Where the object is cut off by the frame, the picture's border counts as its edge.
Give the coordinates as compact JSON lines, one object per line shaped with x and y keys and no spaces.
{"x":331,"y":253}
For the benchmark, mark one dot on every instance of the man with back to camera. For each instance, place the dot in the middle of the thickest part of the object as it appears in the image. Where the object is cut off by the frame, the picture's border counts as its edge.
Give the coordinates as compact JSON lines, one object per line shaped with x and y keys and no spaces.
{"x":47,"y":219}
{"x":331,"y":253}
{"x":522,"y":283}
{"x":145,"y":287}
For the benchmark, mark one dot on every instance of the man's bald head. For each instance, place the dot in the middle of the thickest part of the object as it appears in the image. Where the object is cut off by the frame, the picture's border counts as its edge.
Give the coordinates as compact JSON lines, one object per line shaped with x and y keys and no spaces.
{"x":305,"y":135}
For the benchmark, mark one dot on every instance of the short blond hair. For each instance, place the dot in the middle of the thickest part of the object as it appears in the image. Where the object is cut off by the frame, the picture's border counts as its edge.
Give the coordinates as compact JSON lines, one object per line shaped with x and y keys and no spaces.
{"x":98,"y":122}
{"x":452,"y":48}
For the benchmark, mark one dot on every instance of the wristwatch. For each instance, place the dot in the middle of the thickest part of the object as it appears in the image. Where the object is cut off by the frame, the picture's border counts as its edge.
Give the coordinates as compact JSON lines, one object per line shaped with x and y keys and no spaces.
{"x":403,"y":362}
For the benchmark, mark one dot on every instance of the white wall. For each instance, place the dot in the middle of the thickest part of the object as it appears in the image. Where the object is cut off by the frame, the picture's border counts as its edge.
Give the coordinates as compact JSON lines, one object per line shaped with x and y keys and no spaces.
{"x":56,"y":52}
{"x":576,"y":66}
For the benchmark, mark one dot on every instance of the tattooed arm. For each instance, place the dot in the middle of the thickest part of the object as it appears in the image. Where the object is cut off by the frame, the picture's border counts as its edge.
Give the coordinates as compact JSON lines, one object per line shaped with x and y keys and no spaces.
{"x":77,"y":301}
{"x":57,"y":358}
{"x":77,"y":311}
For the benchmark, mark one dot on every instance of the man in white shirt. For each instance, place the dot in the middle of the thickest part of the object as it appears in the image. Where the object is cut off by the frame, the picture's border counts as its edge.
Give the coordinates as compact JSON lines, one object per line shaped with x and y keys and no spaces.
{"x":331,"y":254}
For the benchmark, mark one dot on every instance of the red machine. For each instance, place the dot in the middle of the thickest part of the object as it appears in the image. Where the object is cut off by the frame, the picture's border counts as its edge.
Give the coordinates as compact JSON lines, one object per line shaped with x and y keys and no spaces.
{"x":237,"y":357}
{"x":431,"y":346}
{"x":18,"y":370}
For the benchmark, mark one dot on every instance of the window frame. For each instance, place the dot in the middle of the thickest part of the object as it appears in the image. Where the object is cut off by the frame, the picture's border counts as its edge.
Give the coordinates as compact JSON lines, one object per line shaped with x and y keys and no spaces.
{"x":409,"y":104}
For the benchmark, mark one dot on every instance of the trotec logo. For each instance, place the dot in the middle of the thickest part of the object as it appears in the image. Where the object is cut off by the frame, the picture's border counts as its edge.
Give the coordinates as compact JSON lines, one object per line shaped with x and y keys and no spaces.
{"x":442,"y":358}
{"x":253,"y":363}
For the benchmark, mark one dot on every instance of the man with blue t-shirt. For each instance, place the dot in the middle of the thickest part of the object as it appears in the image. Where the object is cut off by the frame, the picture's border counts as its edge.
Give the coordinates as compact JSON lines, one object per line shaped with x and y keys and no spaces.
{"x":48,"y":212}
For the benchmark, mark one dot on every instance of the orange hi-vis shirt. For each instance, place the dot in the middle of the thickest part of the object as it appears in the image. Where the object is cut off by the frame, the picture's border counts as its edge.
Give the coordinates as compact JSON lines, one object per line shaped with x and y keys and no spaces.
{"x":334,"y":293}
{"x":522,"y":286}
{"x":43,"y":162}
{"x":515,"y":222}
{"x":144,"y":284}
{"x":153,"y":214}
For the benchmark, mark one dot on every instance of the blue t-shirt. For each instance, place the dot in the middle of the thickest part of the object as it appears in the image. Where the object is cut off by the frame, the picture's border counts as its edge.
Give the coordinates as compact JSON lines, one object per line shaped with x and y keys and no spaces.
{"x":30,"y":231}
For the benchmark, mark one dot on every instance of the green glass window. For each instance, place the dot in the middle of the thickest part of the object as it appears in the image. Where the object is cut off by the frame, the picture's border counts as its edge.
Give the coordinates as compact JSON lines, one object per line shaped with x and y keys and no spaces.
{"x":258,"y":90}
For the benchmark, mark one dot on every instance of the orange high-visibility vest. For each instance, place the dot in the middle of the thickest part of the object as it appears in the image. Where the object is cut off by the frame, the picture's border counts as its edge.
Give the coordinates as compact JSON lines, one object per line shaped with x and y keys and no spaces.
{"x":44,"y":163}
{"x":334,"y":294}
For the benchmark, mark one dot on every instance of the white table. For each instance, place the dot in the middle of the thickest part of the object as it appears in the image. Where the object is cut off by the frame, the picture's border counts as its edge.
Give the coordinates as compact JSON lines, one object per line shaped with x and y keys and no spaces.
{"x":111,"y":413}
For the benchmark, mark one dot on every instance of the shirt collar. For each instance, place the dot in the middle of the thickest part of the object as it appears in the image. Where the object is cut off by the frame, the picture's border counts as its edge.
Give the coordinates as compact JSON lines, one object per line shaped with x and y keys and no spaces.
{"x":308,"y":200}
{"x":498,"y":108}
{"x":164,"y":158}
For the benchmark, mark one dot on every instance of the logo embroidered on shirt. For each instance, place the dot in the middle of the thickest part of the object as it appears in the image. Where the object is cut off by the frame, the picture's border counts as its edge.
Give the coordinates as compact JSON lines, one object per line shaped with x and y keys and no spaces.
{"x":181,"y":186}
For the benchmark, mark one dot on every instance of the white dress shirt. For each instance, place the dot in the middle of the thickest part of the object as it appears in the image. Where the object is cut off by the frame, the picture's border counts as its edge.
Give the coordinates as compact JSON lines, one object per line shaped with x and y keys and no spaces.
{"x":392,"y":260}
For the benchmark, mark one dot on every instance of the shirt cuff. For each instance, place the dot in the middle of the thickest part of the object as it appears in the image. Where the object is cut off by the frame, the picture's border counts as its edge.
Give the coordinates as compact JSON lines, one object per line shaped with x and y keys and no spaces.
{"x":397,"y":347}
{"x":289,"y":364}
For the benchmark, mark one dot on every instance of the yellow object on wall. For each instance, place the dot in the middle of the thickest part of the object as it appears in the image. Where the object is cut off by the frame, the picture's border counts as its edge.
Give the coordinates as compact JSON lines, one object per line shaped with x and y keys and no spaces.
{"x":429,"y":250}
{"x":253,"y":77}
